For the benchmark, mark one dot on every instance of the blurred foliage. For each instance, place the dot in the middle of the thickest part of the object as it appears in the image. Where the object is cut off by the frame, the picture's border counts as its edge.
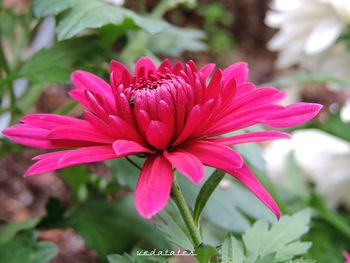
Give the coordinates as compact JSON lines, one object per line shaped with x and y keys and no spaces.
{"x":216,"y":21}
{"x":235,"y":226}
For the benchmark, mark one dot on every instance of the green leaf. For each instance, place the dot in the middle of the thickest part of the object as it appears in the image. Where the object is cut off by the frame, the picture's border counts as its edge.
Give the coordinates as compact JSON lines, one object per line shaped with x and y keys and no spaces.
{"x":205,"y":192}
{"x":175,"y":40}
{"x":264,"y":244}
{"x":282,"y":238}
{"x":55,"y":64}
{"x":25,"y":248}
{"x":85,"y":14}
{"x":77,"y":178}
{"x":205,"y":254}
{"x":173,"y":227}
{"x":232,"y":250}
{"x":8,"y":231}
{"x":233,"y":205}
{"x":124,"y":172}
{"x":113,"y":227}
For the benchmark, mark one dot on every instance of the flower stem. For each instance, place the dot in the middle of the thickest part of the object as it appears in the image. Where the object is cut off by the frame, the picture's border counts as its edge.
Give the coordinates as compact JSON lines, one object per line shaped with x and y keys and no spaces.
{"x":185,"y":213}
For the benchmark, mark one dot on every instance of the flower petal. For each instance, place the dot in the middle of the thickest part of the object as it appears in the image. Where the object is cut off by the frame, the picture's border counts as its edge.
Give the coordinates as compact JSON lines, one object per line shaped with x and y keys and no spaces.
{"x":246,"y":177}
{"x":123,"y":148}
{"x":29,"y":136}
{"x":292,"y":115}
{"x":259,"y":136}
{"x":87,"y":81}
{"x":238,"y":71}
{"x":158,"y":135}
{"x":58,"y":160}
{"x":50,"y":121}
{"x":154,"y":186}
{"x":187,"y":164}
{"x":78,"y":133}
{"x":214,"y":154}
{"x":147,"y":64}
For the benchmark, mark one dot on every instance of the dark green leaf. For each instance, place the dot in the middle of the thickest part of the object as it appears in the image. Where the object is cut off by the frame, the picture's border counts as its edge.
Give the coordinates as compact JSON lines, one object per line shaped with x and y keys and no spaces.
{"x":25,"y":248}
{"x":85,"y":14}
{"x":205,"y":193}
{"x":55,"y":64}
{"x":113,"y":227}
{"x":8,"y":231}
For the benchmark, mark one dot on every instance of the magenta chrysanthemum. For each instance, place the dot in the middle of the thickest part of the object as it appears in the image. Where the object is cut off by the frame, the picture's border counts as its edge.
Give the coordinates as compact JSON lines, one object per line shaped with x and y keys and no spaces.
{"x":173,"y":115}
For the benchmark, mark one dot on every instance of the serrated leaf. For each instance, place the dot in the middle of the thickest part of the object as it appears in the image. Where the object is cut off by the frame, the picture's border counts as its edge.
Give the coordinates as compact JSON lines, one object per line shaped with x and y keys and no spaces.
{"x":175,"y":40}
{"x":55,"y":64}
{"x":25,"y":248}
{"x":205,"y":192}
{"x":232,"y":250}
{"x":205,"y":254}
{"x":281,"y":238}
{"x":174,"y":228}
{"x":87,"y":14}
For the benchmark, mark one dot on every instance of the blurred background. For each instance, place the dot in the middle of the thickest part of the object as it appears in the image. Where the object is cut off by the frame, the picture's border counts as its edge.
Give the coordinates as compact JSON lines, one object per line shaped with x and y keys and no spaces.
{"x":302,"y":47}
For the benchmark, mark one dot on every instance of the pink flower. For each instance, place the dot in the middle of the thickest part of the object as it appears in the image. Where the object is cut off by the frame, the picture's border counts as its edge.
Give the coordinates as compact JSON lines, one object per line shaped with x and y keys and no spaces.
{"x":347,"y":257}
{"x":173,"y":115}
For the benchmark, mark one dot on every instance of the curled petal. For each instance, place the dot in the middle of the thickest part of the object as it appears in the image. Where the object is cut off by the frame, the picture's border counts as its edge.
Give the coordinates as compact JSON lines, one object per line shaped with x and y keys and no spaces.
{"x":147,"y":65}
{"x":154,"y":186}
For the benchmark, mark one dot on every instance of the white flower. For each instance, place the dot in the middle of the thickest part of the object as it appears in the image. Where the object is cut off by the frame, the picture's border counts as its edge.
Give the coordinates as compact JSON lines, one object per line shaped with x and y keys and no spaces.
{"x":306,"y":27}
{"x":325,"y":162}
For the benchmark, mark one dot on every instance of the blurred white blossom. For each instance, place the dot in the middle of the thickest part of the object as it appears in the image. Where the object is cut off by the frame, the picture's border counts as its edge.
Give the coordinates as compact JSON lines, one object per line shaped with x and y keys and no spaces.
{"x":306,"y":28}
{"x":325,"y":162}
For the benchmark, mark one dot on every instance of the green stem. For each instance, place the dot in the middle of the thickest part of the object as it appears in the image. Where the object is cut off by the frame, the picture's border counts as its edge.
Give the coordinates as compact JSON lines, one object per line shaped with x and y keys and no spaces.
{"x":185,"y":213}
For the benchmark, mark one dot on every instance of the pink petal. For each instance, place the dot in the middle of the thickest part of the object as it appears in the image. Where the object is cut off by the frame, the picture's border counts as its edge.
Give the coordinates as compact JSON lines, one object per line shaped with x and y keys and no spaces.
{"x":257,"y":97}
{"x":187,"y":164}
{"x":87,"y":155}
{"x":158,"y":135}
{"x":191,"y":124}
{"x":207,"y":70}
{"x":50,"y":121}
{"x":241,"y":119}
{"x":154,"y":186}
{"x":292,"y":115}
{"x":238,"y":71}
{"x":29,"y":136}
{"x":214,"y":154}
{"x":259,"y":136}
{"x":123,"y":130}
{"x":147,"y":64}
{"x":119,"y":70}
{"x":87,"y":81}
{"x":79,"y":134}
{"x":246,"y":177}
{"x":58,"y":160}
{"x":123,"y":148}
